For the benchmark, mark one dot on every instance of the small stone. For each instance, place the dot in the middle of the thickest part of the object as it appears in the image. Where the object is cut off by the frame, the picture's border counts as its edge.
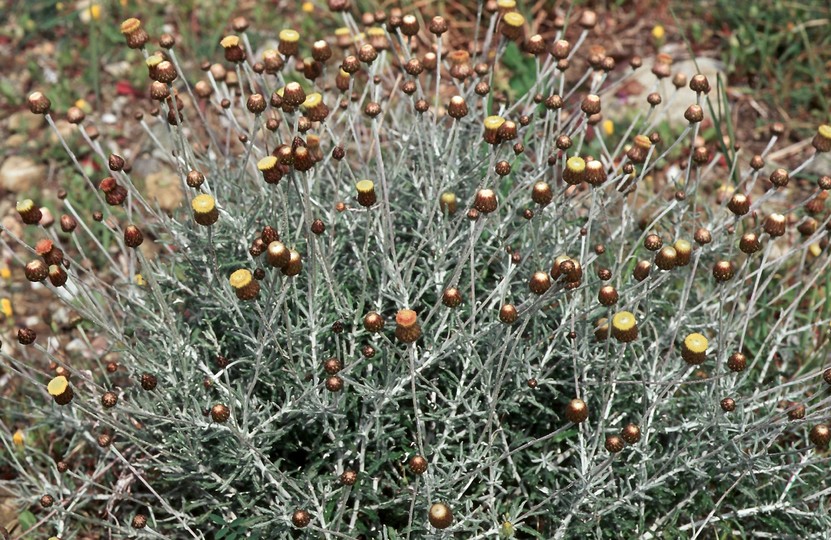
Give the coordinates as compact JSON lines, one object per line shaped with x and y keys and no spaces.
{"x":164,"y":187}
{"x":19,"y":174}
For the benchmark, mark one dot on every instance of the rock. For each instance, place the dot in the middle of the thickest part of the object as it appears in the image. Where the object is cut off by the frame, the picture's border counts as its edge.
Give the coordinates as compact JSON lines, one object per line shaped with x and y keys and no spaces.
{"x":13,"y":225}
{"x":621,"y":109}
{"x":66,"y":130}
{"x":24,"y":121}
{"x":165,"y":188}
{"x":17,"y":140}
{"x":19,"y":174}
{"x":820,"y":165}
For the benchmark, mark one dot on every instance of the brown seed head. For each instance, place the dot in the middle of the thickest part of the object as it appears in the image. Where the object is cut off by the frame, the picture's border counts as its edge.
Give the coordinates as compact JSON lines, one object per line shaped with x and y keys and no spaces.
{"x":220,"y":413}
{"x":577,"y":411}
{"x":728,"y":404}
{"x":440,"y":515}
{"x":631,"y":433}
{"x":614,"y":443}
{"x":418,"y":465}
{"x":109,"y":400}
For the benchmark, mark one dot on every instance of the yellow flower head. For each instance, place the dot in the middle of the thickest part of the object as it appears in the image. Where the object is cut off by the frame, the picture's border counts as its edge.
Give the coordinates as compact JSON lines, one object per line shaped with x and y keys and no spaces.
{"x":658,"y":32}
{"x":19,"y":438}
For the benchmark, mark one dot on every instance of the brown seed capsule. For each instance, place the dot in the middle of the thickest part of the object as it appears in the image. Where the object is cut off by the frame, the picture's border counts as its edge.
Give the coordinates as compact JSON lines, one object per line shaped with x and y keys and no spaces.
{"x":822,"y":139}
{"x":653,"y":242}
{"x":640,"y":149}
{"x":132,"y":236}
{"x":826,"y":376}
{"x":728,"y":404}
{"x":451,"y":297}
{"x":485,"y":201}
{"x":749,"y":244}
{"x":507,"y":131}
{"x":508,"y":314}
{"x":109,"y":400}
{"x":614,"y":443}
{"x":368,"y":351}
{"x":438,"y":25}
{"x":332,"y":366}
{"x":105,"y":440}
{"x":57,"y":276}
{"x":631,"y":433}
{"x":607,"y":295}
{"x":723,"y":271}
{"x":457,"y":108}
{"x":244,"y":284}
{"x":204,"y":210}
{"x":39,"y":103}
{"x":694,"y":114}
{"x":367,"y":53}
{"x":348,"y":477}
{"x":595,"y":173}
{"x":694,"y":349}
{"x":739,"y":204}
{"x":590,"y":104}
{"x":440,"y":515}
{"x":195,"y":179}
{"x":278,"y":255}
{"x":541,"y":193}
{"x":256,"y":103}
{"x":642,"y":270}
{"x":502,"y":168}
{"x":604,"y":274}
{"x":418,"y":465}
{"x":135,"y":35}
{"x":74,"y":115}
{"x":301,"y":518}
{"x":295,"y":265}
{"x":366,"y":193}
{"x":683,"y":252}
{"x":68,"y":223}
{"x":553,"y":103}
{"x":539,"y":283}
{"x":373,"y":322}
{"x":492,"y":125}
{"x":577,"y":411}
{"x":46,"y":501}
{"x":447,"y":202}
{"x":624,"y":327}
{"x":796,"y":411}
{"x":29,"y":212}
{"x":820,"y":435}
{"x":334,"y":383}
{"x":407,"y":329}
{"x":26,"y":336}
{"x":36,"y":271}
{"x":220,"y":413}
{"x":665,"y":258}
{"x":575,"y":170}
{"x":148,"y":381}
{"x":702,"y":236}
{"x":654,"y":99}
{"x":699,"y":84}
{"x":779,"y":178}
{"x":421,"y":106}
{"x":775,"y":225}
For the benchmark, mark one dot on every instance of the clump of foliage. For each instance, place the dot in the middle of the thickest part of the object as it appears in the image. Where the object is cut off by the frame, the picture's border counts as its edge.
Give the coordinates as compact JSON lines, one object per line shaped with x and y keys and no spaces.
{"x":398,"y":305}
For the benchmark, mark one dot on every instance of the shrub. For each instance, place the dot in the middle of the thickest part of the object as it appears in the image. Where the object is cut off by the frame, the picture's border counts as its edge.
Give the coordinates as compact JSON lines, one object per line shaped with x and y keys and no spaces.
{"x":399,"y":303}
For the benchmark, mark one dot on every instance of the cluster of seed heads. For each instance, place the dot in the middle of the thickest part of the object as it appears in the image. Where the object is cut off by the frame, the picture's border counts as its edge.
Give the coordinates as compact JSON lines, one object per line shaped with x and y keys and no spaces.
{"x":592,"y":278}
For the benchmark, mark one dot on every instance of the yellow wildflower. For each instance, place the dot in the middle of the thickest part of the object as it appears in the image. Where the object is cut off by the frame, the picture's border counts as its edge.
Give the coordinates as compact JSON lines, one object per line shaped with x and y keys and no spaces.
{"x":658,"y":32}
{"x":308,"y":7}
{"x":6,"y":307}
{"x":5,"y":273}
{"x":19,"y":438}
{"x":608,"y":127}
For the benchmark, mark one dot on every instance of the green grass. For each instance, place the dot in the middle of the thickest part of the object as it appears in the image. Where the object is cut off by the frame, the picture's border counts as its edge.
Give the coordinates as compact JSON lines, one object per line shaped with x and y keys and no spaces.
{"x":782,"y":48}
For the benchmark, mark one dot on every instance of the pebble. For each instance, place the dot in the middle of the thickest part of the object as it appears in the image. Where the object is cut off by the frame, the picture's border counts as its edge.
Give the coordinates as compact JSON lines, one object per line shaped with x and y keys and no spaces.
{"x":20,"y":174}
